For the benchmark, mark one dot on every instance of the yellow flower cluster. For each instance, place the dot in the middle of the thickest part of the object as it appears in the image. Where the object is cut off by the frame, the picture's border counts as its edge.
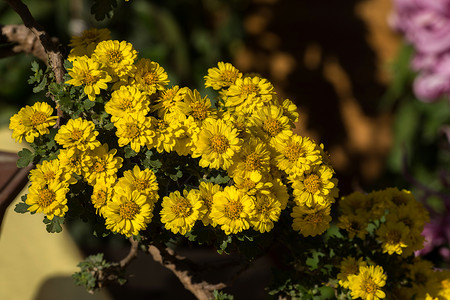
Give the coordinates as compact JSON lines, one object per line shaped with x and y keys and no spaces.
{"x":400,"y":217}
{"x":246,"y":132}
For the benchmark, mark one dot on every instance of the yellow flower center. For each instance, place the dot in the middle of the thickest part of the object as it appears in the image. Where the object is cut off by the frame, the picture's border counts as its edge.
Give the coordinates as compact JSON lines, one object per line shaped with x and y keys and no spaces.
{"x":114,"y":56}
{"x":88,"y":78}
{"x":128,"y":210}
{"x":141,"y":184}
{"x":199,"y":111}
{"x":219,"y":143}
{"x":182,"y":208}
{"x":272,"y":127}
{"x":292,"y":152}
{"x":45,"y":197}
{"x":252,"y":162}
{"x":38,"y":118}
{"x":393,"y":237}
{"x":228,"y":76}
{"x":150,"y":78}
{"x":248,"y":89}
{"x":161,"y":125}
{"x":208,"y":200}
{"x":233,"y":210}
{"x":312,"y":183}
{"x":265,"y":209}
{"x":99,"y":166}
{"x":314,"y":219}
{"x":369,"y":286}
{"x":126,"y":103}
{"x":99,"y":198}
{"x":131,"y":130}
{"x":247,"y":184}
{"x":50,"y":175}
{"x":76,"y":134}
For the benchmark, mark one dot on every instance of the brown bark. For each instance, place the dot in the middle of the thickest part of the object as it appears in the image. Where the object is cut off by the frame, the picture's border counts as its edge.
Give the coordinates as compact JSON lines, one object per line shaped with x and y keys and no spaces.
{"x":182,"y":269}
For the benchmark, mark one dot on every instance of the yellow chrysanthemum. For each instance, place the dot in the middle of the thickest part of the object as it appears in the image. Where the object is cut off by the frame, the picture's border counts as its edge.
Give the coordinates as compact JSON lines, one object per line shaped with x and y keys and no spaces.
{"x":355,"y":225}
{"x":297,"y":155}
{"x":142,"y":181}
{"x":217,"y":143}
{"x":393,"y":236}
{"x":315,"y":186}
{"x":101,"y":194}
{"x":116,"y":57}
{"x":32,"y":121}
{"x":128,"y":213}
{"x":166,"y":103}
{"x":101,"y":164}
{"x":125,"y":101}
{"x":207,"y":192}
{"x":349,"y":266}
{"x":267,"y":211}
{"x":87,"y":41}
{"x":180,"y":212}
{"x":78,"y":133}
{"x":87,"y":72}
{"x":311,"y":221}
{"x":290,"y":110}
{"x":49,"y":199}
{"x":423,"y":279}
{"x":194,"y":105}
{"x":71,"y":160}
{"x":134,"y":129}
{"x":222,"y":77}
{"x":410,"y":215}
{"x":368,"y":283}
{"x":232,"y":210}
{"x":48,"y":171}
{"x":254,"y":157}
{"x":186,"y":141}
{"x":280,"y":192}
{"x":150,"y":76}
{"x":253,"y":184}
{"x":271,"y":126}
{"x":248,"y":94}
{"x":166,"y":134}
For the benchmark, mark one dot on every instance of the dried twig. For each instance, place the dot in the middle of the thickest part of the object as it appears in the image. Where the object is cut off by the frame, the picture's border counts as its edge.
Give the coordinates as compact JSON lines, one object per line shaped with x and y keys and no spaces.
{"x":182,"y":269}
{"x":131,"y":255}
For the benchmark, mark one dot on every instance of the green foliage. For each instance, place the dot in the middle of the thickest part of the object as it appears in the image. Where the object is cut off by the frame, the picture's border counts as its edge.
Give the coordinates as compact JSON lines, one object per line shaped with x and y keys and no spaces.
{"x":22,"y":207}
{"x":54,"y":225}
{"x":93,"y":271}
{"x":219,"y":295}
{"x":25,"y":158}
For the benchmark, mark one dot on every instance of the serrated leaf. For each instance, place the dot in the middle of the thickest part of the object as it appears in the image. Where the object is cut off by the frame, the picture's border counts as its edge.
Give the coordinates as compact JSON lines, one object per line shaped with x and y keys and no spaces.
{"x":41,"y":86}
{"x":88,"y":104}
{"x":25,"y":158}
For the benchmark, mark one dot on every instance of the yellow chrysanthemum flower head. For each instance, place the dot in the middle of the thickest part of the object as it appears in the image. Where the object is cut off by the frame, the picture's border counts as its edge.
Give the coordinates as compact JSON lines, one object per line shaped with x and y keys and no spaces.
{"x":85,"y":43}
{"x":116,"y":57}
{"x":248,"y":94}
{"x":355,"y":225}
{"x":196,"y":106}
{"x":349,"y":266}
{"x":393,"y":237}
{"x":222,"y":77}
{"x":134,"y":129}
{"x":315,"y":186}
{"x":87,"y":72}
{"x":232,"y":210}
{"x":48,"y":171}
{"x":167,"y":131}
{"x":126,"y":100}
{"x":101,"y":164}
{"x":311,"y":221}
{"x":297,"y":155}
{"x":217,"y":143}
{"x":166,"y":102}
{"x":101,"y":194}
{"x":267,"y":211}
{"x":49,"y":199}
{"x":180,"y":212}
{"x":78,"y":133}
{"x":150,"y":76}
{"x":144,"y":181}
{"x":128,"y":213}
{"x":32,"y":121}
{"x":71,"y":160}
{"x":207,"y":192}
{"x":271,"y":126}
{"x":368,"y":283}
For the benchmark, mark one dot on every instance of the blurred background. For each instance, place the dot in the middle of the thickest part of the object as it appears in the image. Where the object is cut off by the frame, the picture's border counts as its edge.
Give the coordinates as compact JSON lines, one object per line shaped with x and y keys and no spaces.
{"x":339,"y":61}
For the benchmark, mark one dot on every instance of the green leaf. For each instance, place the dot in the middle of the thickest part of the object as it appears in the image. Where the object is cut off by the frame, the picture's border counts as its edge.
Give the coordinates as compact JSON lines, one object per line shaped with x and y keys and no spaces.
{"x":129,"y":152}
{"x":41,"y":86}
{"x":103,"y":8}
{"x":25,"y":158}
{"x":22,"y":207}
{"x":54,"y":225}
{"x":88,"y":104}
